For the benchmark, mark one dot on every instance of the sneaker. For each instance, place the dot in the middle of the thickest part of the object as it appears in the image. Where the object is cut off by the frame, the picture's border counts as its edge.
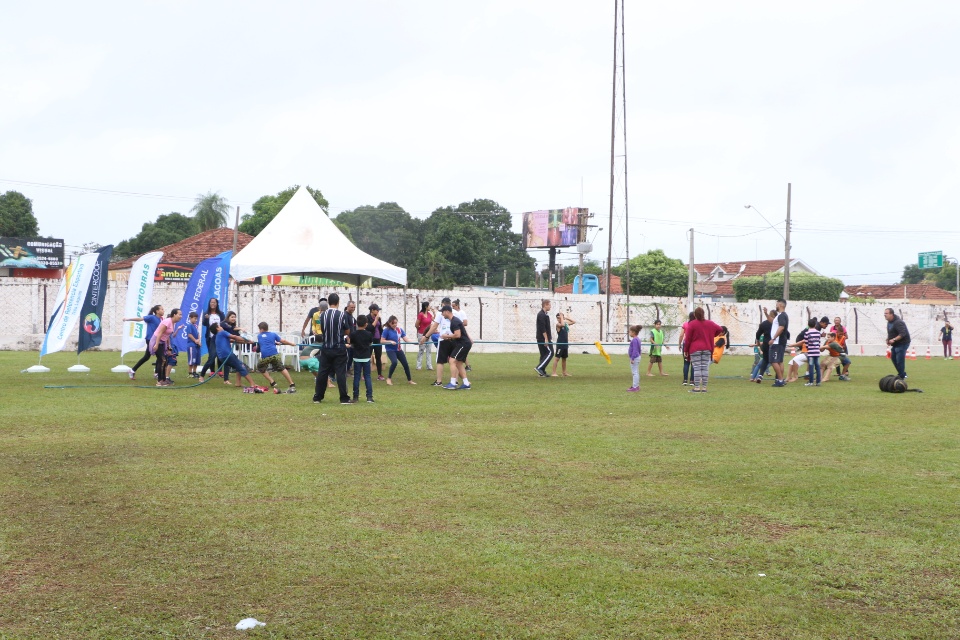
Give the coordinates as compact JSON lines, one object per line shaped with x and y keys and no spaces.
{"x":348,"y":402}
{"x":370,"y":400}
{"x":634,"y":389}
{"x":808,"y":384}
{"x":292,"y":389}
{"x":759,"y":380}
{"x":779,"y":383}
{"x":684,"y":383}
{"x":381,"y":378}
{"x":469,"y":368}
{"x":542,"y":374}
{"x":694,"y":390}
{"x":132,"y":375}
{"x":450,"y":387}
{"x":316,"y":400}
{"x":463,"y":387}
{"x":844,"y":378}
{"x":436,"y":384}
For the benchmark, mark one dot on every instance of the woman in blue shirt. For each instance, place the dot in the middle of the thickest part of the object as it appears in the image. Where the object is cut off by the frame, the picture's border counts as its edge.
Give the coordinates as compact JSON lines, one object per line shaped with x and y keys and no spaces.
{"x":391,"y":338}
{"x":152,"y":320}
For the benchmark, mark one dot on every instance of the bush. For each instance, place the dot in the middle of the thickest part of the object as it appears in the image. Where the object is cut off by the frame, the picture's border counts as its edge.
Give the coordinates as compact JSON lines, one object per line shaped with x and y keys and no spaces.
{"x":803,"y":286}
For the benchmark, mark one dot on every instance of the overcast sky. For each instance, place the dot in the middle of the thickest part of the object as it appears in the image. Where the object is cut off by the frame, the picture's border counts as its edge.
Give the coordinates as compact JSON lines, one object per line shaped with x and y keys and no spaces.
{"x":434,"y":103}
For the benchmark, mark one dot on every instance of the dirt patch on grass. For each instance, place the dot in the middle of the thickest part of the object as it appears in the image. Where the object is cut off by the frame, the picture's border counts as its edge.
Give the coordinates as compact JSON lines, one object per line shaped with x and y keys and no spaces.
{"x":21,"y":573}
{"x":772,"y":531}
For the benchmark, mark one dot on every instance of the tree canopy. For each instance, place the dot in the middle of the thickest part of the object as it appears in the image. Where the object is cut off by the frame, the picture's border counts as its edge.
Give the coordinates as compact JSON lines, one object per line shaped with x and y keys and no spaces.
{"x":803,"y":286}
{"x":945,"y":277}
{"x":168,"y":228}
{"x":385,"y":231}
{"x":211,"y":211}
{"x":459,"y":244}
{"x":16,"y":216}
{"x":654,"y":274}
{"x":266,"y":208}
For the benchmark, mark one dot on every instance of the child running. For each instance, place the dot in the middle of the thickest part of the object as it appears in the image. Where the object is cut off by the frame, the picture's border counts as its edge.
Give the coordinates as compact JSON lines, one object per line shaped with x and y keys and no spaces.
{"x":563,"y":344}
{"x":656,"y":349}
{"x":362,"y":342}
{"x":193,"y":344}
{"x":634,"y":352}
{"x":152,"y":320}
{"x":270,"y":358}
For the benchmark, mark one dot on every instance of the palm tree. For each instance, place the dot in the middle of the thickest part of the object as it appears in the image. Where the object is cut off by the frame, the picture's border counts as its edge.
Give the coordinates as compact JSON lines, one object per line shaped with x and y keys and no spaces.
{"x":211,"y":211}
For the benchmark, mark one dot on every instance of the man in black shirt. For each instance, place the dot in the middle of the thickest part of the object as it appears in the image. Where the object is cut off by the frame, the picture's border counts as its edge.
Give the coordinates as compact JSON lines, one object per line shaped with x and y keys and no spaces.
{"x":898,"y":337}
{"x":335,"y":325}
{"x":763,"y":332}
{"x":544,"y":338}
{"x":460,"y":347}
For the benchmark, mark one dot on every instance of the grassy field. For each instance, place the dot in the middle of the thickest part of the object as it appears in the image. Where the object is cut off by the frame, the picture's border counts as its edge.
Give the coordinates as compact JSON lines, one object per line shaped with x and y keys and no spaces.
{"x":524,"y":508}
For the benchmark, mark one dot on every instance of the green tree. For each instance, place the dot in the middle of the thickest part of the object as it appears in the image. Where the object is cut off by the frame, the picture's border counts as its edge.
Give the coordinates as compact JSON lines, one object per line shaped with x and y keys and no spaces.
{"x":913,"y":274}
{"x":16,"y":216}
{"x":803,"y":286}
{"x":947,"y":277}
{"x":459,"y":244}
{"x":168,"y":228}
{"x":589,"y":266}
{"x":211,"y":211}
{"x":654,"y":274}
{"x":266,"y":209}
{"x":385,"y":231}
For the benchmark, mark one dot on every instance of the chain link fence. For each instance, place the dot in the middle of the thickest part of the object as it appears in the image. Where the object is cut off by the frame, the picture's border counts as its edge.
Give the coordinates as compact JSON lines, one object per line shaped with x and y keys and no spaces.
{"x":498,"y":320}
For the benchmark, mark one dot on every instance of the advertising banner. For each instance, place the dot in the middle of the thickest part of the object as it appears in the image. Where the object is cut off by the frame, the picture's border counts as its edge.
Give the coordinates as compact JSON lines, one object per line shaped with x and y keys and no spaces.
{"x":66,"y":312}
{"x":139,"y":299}
{"x":209,"y":280}
{"x":173,"y":272}
{"x":31,"y":253}
{"x":554,"y":228}
{"x":91,"y":328}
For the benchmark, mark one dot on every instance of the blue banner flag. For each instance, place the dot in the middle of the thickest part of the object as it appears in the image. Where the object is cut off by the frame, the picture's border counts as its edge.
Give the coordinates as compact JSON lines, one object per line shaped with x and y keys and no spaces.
{"x":209,"y":280}
{"x":91,"y":314}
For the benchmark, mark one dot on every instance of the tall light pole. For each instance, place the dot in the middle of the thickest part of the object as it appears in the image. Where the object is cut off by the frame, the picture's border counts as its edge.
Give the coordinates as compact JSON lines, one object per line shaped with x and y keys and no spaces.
{"x":786,"y":252}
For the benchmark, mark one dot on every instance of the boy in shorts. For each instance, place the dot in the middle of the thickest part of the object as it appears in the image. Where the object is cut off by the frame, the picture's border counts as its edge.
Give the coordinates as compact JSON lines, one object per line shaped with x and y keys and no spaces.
{"x":656,"y":349}
{"x":226,"y":355}
{"x":270,"y":359}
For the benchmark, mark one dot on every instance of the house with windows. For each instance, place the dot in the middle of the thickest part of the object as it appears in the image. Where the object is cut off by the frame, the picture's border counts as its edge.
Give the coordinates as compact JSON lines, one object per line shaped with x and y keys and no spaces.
{"x":715,"y":279}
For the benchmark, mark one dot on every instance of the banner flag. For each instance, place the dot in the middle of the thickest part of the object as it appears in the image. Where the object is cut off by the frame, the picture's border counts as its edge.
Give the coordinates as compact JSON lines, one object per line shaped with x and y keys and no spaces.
{"x":139,"y":299}
{"x":91,"y":328}
{"x":209,"y":280}
{"x":73,"y":291}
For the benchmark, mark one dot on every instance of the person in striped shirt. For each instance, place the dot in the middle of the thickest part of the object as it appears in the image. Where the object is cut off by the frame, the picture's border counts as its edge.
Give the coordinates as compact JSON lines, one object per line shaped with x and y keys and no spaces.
{"x":813,"y":352}
{"x":335,"y":325}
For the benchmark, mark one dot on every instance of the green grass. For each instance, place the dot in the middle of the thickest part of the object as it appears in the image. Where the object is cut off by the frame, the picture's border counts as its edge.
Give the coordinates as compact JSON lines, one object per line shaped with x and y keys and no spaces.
{"x":525,"y":508}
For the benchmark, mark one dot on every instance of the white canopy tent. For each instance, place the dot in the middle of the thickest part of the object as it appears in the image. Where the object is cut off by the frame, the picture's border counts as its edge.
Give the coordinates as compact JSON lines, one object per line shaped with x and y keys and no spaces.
{"x":302,"y":240}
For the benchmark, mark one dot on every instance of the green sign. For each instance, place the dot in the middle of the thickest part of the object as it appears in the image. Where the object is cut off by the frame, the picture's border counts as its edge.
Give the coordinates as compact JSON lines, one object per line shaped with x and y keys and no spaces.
{"x":931,"y":260}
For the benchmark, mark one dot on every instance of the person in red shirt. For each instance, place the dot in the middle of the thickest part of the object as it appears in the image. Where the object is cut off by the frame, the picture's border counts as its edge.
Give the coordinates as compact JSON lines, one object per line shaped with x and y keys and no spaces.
{"x":699,"y":336}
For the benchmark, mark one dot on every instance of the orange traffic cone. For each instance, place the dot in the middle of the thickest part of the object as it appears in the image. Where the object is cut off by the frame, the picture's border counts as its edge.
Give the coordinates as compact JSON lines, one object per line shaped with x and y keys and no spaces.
{"x":956,"y":353}
{"x":888,"y":352}
{"x":913,"y":353}
{"x":928,"y":353}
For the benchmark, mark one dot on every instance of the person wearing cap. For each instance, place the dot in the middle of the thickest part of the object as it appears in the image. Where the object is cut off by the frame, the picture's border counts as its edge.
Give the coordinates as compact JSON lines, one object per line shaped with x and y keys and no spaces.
{"x":375,"y":327}
{"x":440,"y":325}
{"x":309,"y":320}
{"x":460,"y":344}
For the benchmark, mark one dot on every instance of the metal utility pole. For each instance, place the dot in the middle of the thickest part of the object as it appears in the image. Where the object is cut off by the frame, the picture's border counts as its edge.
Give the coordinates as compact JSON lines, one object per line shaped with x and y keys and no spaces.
{"x":786,"y":249}
{"x":233,"y":254}
{"x":691,"y":278}
{"x":613,"y":140}
{"x":626,"y":200}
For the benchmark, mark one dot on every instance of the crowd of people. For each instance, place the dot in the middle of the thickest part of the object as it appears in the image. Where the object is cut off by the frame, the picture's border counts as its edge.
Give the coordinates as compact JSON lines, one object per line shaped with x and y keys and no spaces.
{"x":339,"y":343}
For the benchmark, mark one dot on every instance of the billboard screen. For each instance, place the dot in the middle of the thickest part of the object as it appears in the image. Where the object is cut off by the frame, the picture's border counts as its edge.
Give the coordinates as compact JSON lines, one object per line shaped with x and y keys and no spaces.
{"x":554,"y":228}
{"x":31,"y":253}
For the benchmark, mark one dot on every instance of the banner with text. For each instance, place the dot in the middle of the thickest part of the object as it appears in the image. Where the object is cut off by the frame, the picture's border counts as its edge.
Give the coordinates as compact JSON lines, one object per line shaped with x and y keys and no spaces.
{"x":91,"y":326}
{"x":209,"y":280}
{"x":139,"y":297}
{"x":66,"y":312}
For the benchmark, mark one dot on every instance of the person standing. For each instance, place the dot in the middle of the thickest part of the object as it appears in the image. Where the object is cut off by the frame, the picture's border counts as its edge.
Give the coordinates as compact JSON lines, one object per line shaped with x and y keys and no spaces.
{"x":393,"y":336}
{"x":682,"y":343}
{"x":898,"y":337}
{"x":563,"y":344}
{"x":634,"y":352}
{"x":699,"y":336}
{"x":440,"y":326}
{"x":213,"y":316}
{"x":544,"y":338}
{"x":350,"y":310}
{"x":361,"y":341}
{"x":309,"y":320}
{"x":333,"y":354}
{"x":424,"y":320}
{"x":458,"y":313}
{"x":375,"y":327}
{"x":162,"y":346}
{"x":946,"y":337}
{"x":813,"y":351}
{"x":656,"y":348}
{"x":778,"y":341}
